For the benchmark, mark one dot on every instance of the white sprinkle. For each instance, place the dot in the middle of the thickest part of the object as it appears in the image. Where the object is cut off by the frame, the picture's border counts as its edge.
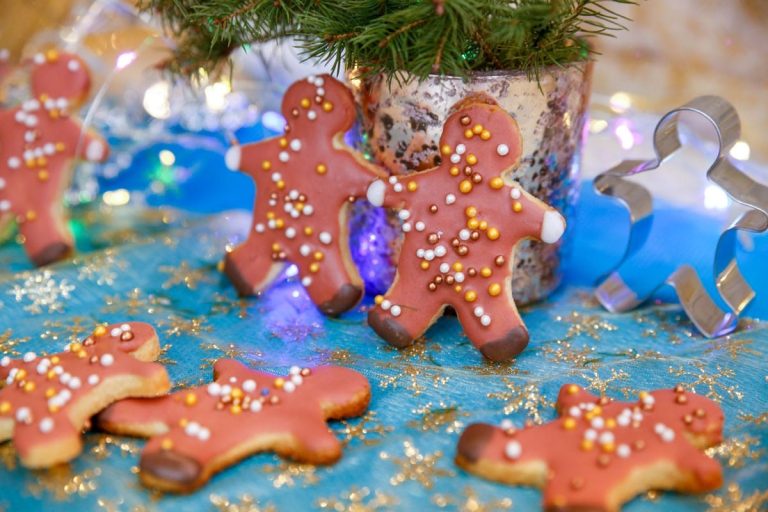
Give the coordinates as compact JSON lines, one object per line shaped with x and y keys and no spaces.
{"x":459,"y":277}
{"x":292,"y":271}
{"x":290,"y":233}
{"x":39,"y":58}
{"x":404,"y":214}
{"x":125,"y":327}
{"x":75,"y":383}
{"x":502,"y":149}
{"x":226,"y":389}
{"x":24,"y":415}
{"x":455,"y":158}
{"x":668,"y":435}
{"x":506,"y":424}
{"x":304,"y":250}
{"x":283,"y":156}
{"x":192,"y":429}
{"x":598,"y":422}
{"x":385,"y":304}
{"x":42,"y":369}
{"x":464,"y":234}
{"x":46,"y":425}
{"x":574,"y":411}
{"x":65,"y":378}
{"x":485,"y":320}
{"x":31,"y":121}
{"x":116,"y":332}
{"x":395,"y":310}
{"x":62,"y":103}
{"x":259,"y":227}
{"x":29,"y":136}
{"x":306,"y":281}
{"x":294,"y":370}
{"x":648,"y":400}
{"x":392,"y":180}
{"x":204,"y":434}
{"x":255,"y":406}
{"x":623,"y":451}
{"x":296,"y":145}
{"x":406,"y":227}
{"x":460,"y":149}
{"x":276,"y":176}
{"x":29,"y":357}
{"x":58,"y":370}
{"x":297,"y":379}
{"x":93,"y":379}
{"x":73,"y":65}
{"x":308,"y":209}
{"x":420,"y":253}
{"x":5,"y":361}
{"x":397,"y":187}
{"x":479,"y":311}
{"x":320,"y":91}
{"x":420,"y":226}
{"x":429,"y":255}
{"x":14,"y":162}
{"x":623,"y":420}
{"x":107,"y":360}
{"x":513,"y":450}
{"x":312,"y":115}
{"x":590,"y":435}
{"x":450,"y":199}
{"x":444,"y":268}
{"x":289,"y":387}
{"x":325,"y":237}
{"x":659,"y":428}
{"x":606,"y":438}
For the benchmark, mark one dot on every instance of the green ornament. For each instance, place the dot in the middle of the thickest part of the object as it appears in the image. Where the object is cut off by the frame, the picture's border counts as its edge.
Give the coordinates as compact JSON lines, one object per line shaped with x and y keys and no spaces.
{"x":471,"y":52}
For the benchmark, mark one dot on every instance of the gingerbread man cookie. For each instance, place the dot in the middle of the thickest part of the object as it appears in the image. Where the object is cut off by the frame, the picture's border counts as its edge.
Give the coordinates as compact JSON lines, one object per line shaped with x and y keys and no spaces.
{"x":462,"y":221}
{"x":198,"y":432}
{"x":38,"y":142}
{"x":48,"y":400}
{"x":305,"y":180}
{"x":600,"y":453}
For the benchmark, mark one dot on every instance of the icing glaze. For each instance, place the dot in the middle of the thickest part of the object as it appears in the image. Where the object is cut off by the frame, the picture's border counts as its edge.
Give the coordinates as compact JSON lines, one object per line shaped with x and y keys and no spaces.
{"x":47,"y":400}
{"x":305,"y":180}
{"x":38,"y":141}
{"x":198,"y":431}
{"x":600,"y":452}
{"x":462,"y":221}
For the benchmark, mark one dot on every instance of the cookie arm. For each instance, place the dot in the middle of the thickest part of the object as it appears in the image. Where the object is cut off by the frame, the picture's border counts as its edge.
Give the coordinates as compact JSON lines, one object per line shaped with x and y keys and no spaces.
{"x":139,"y":417}
{"x":246,"y":158}
{"x":358,"y":172}
{"x":705,"y":472}
{"x":93,"y":147}
{"x":382,"y":192}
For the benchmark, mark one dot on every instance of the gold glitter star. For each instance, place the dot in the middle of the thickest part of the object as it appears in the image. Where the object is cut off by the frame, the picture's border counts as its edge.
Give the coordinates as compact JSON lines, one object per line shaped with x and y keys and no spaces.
{"x":564,"y":352}
{"x":164,"y":358}
{"x":8,"y":344}
{"x":711,"y":380}
{"x":736,"y":451}
{"x":600,"y":385}
{"x":362,"y":428}
{"x":589,"y":325}
{"x":416,"y":467}
{"x":735,"y":501}
{"x":734,"y":348}
{"x":73,"y":329}
{"x":357,"y":500}
{"x":42,"y":292}
{"x":288,"y":474}
{"x":134,"y":303}
{"x":184,"y":274}
{"x":62,"y":484}
{"x":668,"y":320}
{"x":411,"y":377}
{"x":107,"y":445}
{"x":440,"y":417}
{"x":527,"y":398}
{"x":102,"y":269}
{"x":471,"y":502}
{"x":493,"y":368}
{"x":251,"y":357}
{"x":756,"y":420}
{"x":245,"y":504}
{"x":177,"y":326}
{"x":421,"y":351}
{"x":224,"y":305}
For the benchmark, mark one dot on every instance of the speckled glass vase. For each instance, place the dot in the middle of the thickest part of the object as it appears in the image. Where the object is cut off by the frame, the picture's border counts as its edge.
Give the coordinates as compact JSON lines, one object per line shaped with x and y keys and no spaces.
{"x":402,"y":122}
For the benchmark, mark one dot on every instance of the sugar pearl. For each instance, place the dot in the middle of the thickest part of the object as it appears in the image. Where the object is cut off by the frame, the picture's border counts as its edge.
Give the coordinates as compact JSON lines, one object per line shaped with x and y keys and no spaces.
{"x":93,"y":379}
{"x":107,"y":360}
{"x":513,"y":450}
{"x":46,"y":425}
{"x":29,"y":357}
{"x":296,"y":145}
{"x":289,"y":387}
{"x":502,"y":149}
{"x":485,"y":320}
{"x":623,"y":451}
{"x":395,"y":310}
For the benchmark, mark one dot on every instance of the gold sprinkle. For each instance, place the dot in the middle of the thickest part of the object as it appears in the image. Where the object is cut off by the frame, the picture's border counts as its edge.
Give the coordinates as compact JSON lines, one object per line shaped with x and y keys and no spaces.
{"x":266,"y":165}
{"x":494,"y":289}
{"x":378,"y":299}
{"x":424,"y":265}
{"x":573,"y":389}
{"x":569,"y":424}
{"x":190,"y":399}
{"x":454,"y":171}
{"x":412,"y":186}
{"x":236,"y":409}
{"x":321,"y":169}
{"x":327,"y":106}
{"x":308,"y":230}
{"x":486,"y":272}
{"x":477,"y":129}
{"x":43,"y":175}
{"x":166,"y":444}
{"x":283,"y":142}
{"x":279,"y":382}
{"x":31,"y":215}
{"x":305,"y":103}
{"x":496,"y":183}
{"x":51,"y":55}
{"x":314,"y":267}
{"x":470,"y":296}
{"x":586,"y":445}
{"x":446,"y":150}
{"x":473,"y":224}
{"x":318,"y":256}
{"x":99,"y":331}
{"x":280,"y":184}
{"x":517,"y":207}
{"x":5,"y":407}
{"x":470,"y":211}
{"x":458,"y":267}
{"x":465,"y":187}
{"x":471,"y":159}
{"x":468,"y":134}
{"x":485,"y":135}
{"x":493,"y":233}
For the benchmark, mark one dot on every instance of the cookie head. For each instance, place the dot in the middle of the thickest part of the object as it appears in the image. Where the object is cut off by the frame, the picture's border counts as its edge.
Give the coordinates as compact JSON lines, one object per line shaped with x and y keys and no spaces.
{"x":136,"y":338}
{"x":60,"y":77}
{"x":320,"y":103}
{"x":480,"y":141}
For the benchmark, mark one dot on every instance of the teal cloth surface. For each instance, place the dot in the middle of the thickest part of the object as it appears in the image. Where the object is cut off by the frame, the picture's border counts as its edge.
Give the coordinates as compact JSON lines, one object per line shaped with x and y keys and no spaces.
{"x":163,"y":270}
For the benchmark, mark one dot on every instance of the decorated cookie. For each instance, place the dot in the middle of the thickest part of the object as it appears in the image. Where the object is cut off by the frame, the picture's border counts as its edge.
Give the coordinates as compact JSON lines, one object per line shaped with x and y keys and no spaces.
{"x":305,"y":180}
{"x":600,"y":453}
{"x":198,"y":432}
{"x":461,"y":221}
{"x":38,"y":142}
{"x":48,"y":400}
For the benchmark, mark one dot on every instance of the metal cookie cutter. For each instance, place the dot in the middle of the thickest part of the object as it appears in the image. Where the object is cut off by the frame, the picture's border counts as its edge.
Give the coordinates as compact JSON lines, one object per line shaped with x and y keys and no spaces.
{"x":616,"y":295}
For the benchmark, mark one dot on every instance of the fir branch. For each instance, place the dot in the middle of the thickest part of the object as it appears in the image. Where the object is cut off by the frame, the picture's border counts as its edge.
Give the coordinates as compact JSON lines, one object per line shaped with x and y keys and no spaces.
{"x":421,"y":37}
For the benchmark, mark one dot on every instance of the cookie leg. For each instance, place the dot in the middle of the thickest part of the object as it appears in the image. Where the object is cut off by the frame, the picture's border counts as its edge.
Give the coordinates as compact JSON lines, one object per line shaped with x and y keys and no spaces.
{"x":499,"y":334}
{"x":172,"y":468}
{"x":59,"y":443}
{"x":47,"y":239}
{"x":315,"y":444}
{"x":399,"y":321}
{"x":250,"y":269}
{"x":331,"y":282}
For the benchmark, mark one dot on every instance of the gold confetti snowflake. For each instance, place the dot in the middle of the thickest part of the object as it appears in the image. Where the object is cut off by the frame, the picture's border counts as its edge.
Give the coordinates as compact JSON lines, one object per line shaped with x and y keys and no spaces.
{"x":102,"y":269}
{"x":357,"y":500}
{"x":177,"y":326}
{"x":107,"y":445}
{"x":438,"y":417}
{"x":703,"y":377}
{"x":184,"y":274}
{"x":224,"y":305}
{"x":601,"y":384}
{"x":251,"y":357}
{"x":757,"y":420}
{"x":564,"y":352}
{"x":580,"y":324}
{"x":734,"y":348}
{"x":494,"y":368}
{"x":363,"y":428}
{"x":42,"y":293}
{"x":62,"y":484}
{"x":288,"y":474}
{"x":526,"y":398}
{"x":470,"y":502}
{"x":735,"y":501}
{"x":246,"y":503}
{"x":134,"y":303}
{"x":736,"y":451}
{"x":411,"y":377}
{"x":74,"y":329}
{"x":421,"y":351}
{"x":8,"y":344}
{"x":416,"y":467}
{"x":668,"y":320}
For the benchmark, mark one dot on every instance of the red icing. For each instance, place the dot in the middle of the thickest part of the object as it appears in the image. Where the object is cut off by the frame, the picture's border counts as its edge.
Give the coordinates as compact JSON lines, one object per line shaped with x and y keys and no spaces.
{"x":38,"y":141}
{"x":317,"y":178}
{"x":440,"y":207}
{"x":42,"y":391}
{"x":584,"y":477}
{"x":204,"y":424}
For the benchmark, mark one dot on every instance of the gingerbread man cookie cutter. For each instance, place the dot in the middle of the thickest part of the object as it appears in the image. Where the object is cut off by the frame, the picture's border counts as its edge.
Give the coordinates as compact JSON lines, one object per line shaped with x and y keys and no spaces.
{"x":616,"y":295}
